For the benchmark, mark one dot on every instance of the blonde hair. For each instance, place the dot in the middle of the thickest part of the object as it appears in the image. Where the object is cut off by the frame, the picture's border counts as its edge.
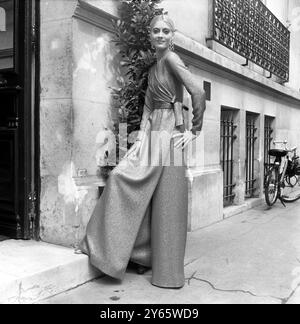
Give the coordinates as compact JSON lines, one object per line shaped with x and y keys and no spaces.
{"x":164,"y":18}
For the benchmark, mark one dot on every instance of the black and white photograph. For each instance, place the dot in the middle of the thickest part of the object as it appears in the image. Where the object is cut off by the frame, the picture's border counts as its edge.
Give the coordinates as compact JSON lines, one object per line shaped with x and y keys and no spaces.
{"x":149,"y":154}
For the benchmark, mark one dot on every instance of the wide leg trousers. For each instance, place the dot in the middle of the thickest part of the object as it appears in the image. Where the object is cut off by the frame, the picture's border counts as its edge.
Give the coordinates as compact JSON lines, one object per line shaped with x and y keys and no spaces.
{"x":142,"y":216}
{"x":146,"y":223}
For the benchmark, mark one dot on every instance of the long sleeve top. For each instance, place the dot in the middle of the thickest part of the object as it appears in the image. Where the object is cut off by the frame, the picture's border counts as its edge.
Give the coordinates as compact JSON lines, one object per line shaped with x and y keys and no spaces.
{"x":186,"y":78}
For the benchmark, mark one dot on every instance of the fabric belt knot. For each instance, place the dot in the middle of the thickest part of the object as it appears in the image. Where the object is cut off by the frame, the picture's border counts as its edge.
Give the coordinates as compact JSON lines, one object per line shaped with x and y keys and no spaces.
{"x":175,"y":105}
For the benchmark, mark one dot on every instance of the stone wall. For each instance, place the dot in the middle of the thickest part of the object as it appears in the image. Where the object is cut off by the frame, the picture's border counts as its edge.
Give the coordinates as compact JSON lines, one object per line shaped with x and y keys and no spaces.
{"x":56,"y":116}
{"x":77,"y":70}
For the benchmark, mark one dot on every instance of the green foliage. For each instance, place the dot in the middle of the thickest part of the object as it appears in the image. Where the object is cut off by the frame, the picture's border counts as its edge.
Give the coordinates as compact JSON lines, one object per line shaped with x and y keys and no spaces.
{"x":132,"y":39}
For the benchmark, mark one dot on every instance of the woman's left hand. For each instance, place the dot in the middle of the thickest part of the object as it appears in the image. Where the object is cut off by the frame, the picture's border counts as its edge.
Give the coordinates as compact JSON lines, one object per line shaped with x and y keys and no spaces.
{"x":185,"y":139}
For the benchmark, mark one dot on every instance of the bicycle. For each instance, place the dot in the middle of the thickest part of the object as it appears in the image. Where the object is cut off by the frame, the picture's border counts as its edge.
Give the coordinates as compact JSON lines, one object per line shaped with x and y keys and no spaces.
{"x":282,"y":180}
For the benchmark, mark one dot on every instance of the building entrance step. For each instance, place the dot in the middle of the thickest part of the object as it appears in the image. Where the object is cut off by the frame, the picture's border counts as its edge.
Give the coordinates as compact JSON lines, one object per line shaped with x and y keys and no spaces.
{"x":31,"y":271}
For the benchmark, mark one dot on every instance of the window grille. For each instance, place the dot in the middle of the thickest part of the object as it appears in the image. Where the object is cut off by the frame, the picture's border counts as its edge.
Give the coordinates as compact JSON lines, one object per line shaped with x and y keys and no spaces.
{"x":251,"y":139}
{"x":228,"y":137}
{"x":250,"y":29}
{"x":269,"y":133}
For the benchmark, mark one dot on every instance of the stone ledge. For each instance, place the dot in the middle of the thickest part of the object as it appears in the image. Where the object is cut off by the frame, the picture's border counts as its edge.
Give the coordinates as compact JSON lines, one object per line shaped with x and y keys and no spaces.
{"x":32,"y":271}
{"x":88,"y":182}
{"x":204,"y":58}
{"x":194,"y":172}
{"x":236,"y":210}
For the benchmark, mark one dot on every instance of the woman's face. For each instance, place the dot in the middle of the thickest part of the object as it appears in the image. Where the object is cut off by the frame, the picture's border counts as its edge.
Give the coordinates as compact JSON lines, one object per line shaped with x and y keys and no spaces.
{"x":161,"y":35}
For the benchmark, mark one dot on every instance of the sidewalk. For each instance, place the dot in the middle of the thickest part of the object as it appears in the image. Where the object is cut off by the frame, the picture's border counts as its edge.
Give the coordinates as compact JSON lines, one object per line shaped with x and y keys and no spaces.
{"x":252,"y":258}
{"x":31,"y":271}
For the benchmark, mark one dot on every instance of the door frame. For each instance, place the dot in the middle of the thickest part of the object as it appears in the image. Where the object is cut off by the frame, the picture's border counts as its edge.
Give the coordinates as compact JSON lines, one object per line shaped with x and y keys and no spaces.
{"x":32,"y":120}
{"x":35,"y":228}
{"x":23,"y":80}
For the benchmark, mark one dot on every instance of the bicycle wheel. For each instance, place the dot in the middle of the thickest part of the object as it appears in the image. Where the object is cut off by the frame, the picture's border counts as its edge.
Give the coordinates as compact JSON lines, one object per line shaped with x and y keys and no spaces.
{"x":290,"y":189}
{"x":272,"y":186}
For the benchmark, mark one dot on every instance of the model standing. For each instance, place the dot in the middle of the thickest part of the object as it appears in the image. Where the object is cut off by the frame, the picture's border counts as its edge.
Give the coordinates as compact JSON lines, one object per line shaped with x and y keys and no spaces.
{"x":142,"y":213}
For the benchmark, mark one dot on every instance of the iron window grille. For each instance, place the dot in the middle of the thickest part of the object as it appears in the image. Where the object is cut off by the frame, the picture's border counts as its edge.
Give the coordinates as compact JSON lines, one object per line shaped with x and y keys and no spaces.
{"x":251,"y":138}
{"x":250,"y":29}
{"x":268,"y":138}
{"x":228,"y":137}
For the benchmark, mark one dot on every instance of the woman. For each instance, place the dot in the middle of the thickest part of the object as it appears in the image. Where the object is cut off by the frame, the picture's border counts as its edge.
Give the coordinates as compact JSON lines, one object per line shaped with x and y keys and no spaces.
{"x":142,"y":213}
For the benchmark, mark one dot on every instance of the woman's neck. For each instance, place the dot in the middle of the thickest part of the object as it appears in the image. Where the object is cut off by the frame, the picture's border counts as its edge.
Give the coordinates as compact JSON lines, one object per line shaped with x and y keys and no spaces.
{"x":161,"y":54}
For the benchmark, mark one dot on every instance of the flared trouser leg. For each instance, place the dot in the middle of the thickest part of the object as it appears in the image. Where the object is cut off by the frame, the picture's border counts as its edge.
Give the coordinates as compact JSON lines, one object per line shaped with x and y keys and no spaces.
{"x":141,"y":253}
{"x":117,"y":218}
{"x":169,"y":228}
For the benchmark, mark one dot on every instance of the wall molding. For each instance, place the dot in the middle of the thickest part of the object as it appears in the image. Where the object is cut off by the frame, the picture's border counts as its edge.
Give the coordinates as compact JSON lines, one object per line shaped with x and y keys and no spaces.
{"x":94,"y":16}
{"x":194,"y":173}
{"x":200,"y":56}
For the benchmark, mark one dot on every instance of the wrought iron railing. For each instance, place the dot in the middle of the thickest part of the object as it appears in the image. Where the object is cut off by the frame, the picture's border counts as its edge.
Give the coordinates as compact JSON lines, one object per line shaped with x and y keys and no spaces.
{"x":250,"y":29}
{"x":228,"y":137}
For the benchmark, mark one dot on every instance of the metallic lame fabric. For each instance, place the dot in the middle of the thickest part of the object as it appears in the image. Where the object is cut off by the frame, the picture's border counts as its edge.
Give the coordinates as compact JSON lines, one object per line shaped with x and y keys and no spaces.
{"x":142,"y":213}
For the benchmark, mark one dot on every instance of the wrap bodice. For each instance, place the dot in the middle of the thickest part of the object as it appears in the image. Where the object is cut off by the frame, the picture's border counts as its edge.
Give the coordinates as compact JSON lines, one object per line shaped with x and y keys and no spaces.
{"x":163,"y":85}
{"x":166,"y":80}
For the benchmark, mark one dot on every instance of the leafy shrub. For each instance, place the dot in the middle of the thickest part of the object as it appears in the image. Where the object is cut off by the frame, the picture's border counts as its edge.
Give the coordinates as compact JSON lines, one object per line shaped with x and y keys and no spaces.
{"x":131,"y":36}
{"x":132,"y":39}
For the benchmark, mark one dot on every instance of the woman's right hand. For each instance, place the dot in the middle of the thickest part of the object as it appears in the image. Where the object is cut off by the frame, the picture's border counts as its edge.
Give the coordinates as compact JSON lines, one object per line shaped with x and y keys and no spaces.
{"x":185,"y":138}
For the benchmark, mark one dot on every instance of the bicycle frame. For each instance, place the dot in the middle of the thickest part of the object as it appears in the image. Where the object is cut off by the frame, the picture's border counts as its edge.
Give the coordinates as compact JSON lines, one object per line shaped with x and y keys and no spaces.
{"x":285,"y":158}
{"x":283,"y":178}
{"x":285,"y":166}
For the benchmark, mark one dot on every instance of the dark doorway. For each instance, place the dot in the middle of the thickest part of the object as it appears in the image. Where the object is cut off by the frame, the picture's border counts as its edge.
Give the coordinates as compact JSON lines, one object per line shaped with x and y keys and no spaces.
{"x":18,"y":179}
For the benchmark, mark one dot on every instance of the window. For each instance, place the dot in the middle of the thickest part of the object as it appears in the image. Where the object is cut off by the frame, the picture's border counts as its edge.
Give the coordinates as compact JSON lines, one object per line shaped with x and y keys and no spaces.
{"x":227,"y":153}
{"x":251,"y":154}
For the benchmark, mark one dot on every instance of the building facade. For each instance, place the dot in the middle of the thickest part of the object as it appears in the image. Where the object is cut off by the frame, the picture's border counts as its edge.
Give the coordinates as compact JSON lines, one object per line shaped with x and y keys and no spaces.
{"x":248,"y":104}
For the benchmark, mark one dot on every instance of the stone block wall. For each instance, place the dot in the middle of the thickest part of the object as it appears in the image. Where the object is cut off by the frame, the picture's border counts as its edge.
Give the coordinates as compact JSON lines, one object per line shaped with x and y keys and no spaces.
{"x":77,"y":70}
{"x":56,"y":117}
